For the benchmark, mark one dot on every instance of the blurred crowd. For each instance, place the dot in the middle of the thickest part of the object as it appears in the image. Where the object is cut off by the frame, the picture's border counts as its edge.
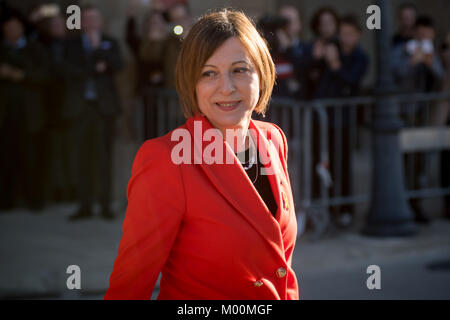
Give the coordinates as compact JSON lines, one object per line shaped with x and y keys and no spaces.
{"x":333,"y":64}
{"x":59,"y":98}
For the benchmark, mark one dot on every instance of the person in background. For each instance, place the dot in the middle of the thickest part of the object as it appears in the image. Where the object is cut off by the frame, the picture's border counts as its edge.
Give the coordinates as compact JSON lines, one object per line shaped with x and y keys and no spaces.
{"x":346,"y":65}
{"x":324,"y":24}
{"x":92,"y":104}
{"x":23,"y":71}
{"x":294,"y":51}
{"x":34,"y":25}
{"x":178,"y":16}
{"x":406,"y":16}
{"x":417,"y":67}
{"x":60,"y":178}
{"x":346,"y":62}
{"x":416,"y":64}
{"x":441,"y":117}
{"x":273,"y":29}
{"x":148,"y":47}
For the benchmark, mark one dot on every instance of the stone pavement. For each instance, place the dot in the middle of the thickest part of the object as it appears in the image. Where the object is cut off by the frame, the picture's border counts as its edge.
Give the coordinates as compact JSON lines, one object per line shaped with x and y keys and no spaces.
{"x":36,"y":249}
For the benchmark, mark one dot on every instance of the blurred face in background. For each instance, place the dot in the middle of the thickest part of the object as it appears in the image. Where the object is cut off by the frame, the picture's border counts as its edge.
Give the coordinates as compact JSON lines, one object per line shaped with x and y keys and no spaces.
{"x":327,"y":25}
{"x":292,"y":15}
{"x":57,"y":27}
{"x":424,"y":33}
{"x":91,"y":20}
{"x":178,"y":14}
{"x":407,"y":18}
{"x":349,"y":37}
{"x":35,"y":14}
{"x":156,"y":25}
{"x":13,"y":30}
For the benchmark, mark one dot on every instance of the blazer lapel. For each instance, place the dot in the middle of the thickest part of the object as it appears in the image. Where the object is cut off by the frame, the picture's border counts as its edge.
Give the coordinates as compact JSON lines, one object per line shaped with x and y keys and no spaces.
{"x":232,"y":182}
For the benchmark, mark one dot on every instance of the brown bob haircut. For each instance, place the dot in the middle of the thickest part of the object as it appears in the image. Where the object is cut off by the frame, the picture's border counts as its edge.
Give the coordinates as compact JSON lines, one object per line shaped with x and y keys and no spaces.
{"x":204,"y":38}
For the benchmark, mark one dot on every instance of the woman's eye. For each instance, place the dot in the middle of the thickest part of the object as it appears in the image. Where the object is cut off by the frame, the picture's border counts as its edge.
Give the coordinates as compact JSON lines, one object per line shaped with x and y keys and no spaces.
{"x":241,"y":70}
{"x":208,"y":73}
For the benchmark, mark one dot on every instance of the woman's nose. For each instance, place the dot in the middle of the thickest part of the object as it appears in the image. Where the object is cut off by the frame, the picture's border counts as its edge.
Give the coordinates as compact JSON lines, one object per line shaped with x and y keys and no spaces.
{"x":226,"y":85}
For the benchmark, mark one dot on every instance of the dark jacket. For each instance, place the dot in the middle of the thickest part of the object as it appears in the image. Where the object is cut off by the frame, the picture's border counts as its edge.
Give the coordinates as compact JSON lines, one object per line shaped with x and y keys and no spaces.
{"x":292,"y":67}
{"x":346,"y":81}
{"x":55,"y":87}
{"x":149,"y":55}
{"x":22,"y":100}
{"x":80,"y":69}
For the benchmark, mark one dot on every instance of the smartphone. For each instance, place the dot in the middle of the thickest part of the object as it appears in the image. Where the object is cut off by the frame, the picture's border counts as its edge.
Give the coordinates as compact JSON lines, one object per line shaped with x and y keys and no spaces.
{"x":427,"y":46}
{"x":411,"y":46}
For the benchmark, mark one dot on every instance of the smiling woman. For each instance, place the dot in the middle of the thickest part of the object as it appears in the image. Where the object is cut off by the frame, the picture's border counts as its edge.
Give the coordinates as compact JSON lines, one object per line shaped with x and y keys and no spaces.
{"x":220,"y":229}
{"x":206,"y":36}
{"x":228,"y":88}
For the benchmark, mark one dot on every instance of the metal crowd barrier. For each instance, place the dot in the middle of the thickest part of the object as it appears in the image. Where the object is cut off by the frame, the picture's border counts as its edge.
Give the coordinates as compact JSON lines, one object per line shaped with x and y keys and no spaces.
{"x":314,"y":128}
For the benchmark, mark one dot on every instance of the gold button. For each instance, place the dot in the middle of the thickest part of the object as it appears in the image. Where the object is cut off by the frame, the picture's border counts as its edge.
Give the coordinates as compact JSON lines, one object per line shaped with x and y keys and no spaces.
{"x":285,"y":201}
{"x":281,"y":272}
{"x":258,"y":283}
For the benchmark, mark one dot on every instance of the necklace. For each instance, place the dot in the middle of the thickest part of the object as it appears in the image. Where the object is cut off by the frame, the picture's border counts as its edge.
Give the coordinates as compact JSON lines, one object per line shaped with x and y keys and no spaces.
{"x":256,"y":173}
{"x":252,"y":161}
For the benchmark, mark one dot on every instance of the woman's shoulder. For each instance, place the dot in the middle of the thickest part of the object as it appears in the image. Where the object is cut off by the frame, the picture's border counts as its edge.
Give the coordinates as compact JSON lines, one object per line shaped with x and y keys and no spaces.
{"x":275,"y":134}
{"x":268,"y":126}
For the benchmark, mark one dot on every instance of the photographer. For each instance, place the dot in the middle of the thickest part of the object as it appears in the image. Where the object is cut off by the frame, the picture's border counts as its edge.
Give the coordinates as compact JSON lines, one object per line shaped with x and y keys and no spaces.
{"x":417,"y":68}
{"x":23,"y":71}
{"x":346,"y":63}
{"x":325,"y":23}
{"x":406,"y":15}
{"x":91,"y":106}
{"x":294,"y":49}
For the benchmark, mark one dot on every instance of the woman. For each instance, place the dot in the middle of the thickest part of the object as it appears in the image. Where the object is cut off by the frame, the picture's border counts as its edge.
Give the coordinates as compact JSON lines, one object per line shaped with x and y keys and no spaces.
{"x":214,"y":229}
{"x":149,"y":51}
{"x":325,"y":25}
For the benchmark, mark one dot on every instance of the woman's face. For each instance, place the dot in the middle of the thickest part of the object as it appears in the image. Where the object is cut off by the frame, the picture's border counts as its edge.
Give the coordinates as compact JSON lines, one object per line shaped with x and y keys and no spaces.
{"x":228,"y":88}
{"x":327,"y":26}
{"x":156,"y":21}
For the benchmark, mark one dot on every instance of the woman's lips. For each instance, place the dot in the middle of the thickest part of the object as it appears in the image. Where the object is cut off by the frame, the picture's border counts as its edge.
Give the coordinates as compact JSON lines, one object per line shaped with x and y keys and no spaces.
{"x":228,"y":106}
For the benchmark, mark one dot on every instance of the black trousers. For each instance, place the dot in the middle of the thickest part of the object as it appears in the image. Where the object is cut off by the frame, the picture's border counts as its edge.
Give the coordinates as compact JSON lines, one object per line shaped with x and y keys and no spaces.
{"x":93,"y":137}
{"x":21,"y":161}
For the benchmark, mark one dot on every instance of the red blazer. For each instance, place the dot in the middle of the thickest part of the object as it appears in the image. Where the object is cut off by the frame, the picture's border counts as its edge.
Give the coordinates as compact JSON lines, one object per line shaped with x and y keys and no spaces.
{"x":204,"y":226}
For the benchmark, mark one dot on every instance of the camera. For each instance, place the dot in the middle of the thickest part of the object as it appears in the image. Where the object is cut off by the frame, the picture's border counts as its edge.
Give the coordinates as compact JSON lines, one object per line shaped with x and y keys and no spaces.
{"x":425,"y":45}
